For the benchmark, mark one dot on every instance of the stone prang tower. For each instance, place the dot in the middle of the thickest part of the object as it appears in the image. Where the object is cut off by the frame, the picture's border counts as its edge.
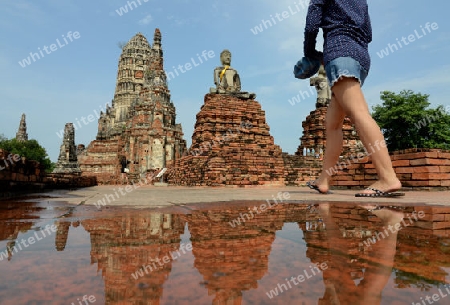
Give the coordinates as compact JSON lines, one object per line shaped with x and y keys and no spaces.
{"x":141,"y":124}
{"x":130,"y":77}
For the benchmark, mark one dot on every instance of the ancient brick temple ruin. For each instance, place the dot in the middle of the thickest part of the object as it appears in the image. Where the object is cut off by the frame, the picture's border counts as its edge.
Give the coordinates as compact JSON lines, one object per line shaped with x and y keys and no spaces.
{"x":22,"y":134}
{"x":140,"y":125}
{"x":67,"y":160}
{"x":231,"y":144}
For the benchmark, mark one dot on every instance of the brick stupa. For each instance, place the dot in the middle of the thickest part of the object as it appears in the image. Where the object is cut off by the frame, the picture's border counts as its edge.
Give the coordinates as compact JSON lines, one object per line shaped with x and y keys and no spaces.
{"x":231,"y":145}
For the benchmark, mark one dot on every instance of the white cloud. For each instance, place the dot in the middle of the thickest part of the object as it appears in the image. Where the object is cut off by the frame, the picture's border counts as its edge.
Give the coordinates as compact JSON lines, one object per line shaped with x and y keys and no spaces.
{"x":146,"y":20}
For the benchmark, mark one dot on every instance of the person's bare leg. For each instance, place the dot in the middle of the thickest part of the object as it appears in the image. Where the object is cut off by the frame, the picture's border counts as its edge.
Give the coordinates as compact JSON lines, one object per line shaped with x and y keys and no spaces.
{"x":382,"y":257}
{"x":333,"y":123}
{"x":348,"y":93}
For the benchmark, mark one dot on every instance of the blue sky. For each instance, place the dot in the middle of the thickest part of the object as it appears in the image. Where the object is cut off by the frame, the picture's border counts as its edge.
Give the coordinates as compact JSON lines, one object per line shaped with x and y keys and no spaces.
{"x":79,"y":76}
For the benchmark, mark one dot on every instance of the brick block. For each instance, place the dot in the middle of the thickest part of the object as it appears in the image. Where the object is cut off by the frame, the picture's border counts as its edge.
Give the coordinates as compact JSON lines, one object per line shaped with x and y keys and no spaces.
{"x":441,"y":209}
{"x":344,"y":178}
{"x":439,"y":176}
{"x":416,"y":155}
{"x":347,"y":183}
{"x":426,"y":169}
{"x":417,"y":183}
{"x":444,"y":169}
{"x":420,"y":176}
{"x":433,"y":217}
{"x":444,"y":155}
{"x":398,"y":163}
{"x":404,"y":177}
{"x":428,"y":161}
{"x":404,"y":170}
{"x":369,"y":165}
{"x":362,"y":160}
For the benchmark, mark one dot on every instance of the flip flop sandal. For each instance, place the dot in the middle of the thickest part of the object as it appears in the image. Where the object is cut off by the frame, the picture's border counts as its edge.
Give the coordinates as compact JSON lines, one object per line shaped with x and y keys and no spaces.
{"x":388,"y":207}
{"x":379,"y":193}
{"x":316,"y":188}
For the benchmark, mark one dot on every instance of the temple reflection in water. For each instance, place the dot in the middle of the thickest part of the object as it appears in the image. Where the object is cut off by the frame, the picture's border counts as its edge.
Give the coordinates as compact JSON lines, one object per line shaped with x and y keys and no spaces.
{"x":253,"y":262}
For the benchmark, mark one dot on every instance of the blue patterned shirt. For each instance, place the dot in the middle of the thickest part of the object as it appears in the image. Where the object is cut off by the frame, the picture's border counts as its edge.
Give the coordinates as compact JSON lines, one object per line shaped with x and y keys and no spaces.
{"x":346,"y":28}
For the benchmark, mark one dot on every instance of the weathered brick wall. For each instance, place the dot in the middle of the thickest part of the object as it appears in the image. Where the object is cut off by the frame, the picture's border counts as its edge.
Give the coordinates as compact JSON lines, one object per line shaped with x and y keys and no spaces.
{"x":300,"y":169}
{"x":419,"y":168}
{"x":27,"y":176}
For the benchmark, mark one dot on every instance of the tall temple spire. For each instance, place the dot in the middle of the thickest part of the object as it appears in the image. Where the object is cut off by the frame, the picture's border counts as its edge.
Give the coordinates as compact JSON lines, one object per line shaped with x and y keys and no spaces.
{"x":21,"y":134}
{"x":141,"y":123}
{"x":157,"y":41}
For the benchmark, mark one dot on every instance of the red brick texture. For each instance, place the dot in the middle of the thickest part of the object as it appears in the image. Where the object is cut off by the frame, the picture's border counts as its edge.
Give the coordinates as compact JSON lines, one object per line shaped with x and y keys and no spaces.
{"x":419,"y":168}
{"x":231,"y":145}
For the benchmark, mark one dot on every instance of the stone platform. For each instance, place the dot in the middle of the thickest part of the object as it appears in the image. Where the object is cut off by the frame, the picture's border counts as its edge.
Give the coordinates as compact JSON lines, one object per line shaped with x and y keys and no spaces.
{"x":148,"y":196}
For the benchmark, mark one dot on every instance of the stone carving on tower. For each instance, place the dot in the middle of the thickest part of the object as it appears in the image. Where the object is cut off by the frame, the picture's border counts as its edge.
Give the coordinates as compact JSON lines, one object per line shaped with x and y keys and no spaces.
{"x":21,"y":134}
{"x":153,"y":139}
{"x":67,"y":160}
{"x":130,"y":78}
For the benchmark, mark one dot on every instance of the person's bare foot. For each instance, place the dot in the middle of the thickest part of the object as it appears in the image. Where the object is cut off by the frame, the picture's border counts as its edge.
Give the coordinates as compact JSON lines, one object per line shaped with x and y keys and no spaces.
{"x":322,"y":184}
{"x":324,"y":209}
{"x":389,"y":216}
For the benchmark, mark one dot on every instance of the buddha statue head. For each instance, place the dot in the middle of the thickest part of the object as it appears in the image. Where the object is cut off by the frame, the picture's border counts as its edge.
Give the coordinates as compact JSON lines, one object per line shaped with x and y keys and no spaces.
{"x":225,"y":57}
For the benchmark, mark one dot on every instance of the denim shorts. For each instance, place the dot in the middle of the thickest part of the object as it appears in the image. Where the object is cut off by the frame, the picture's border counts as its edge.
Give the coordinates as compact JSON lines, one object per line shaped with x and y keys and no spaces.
{"x":345,"y":66}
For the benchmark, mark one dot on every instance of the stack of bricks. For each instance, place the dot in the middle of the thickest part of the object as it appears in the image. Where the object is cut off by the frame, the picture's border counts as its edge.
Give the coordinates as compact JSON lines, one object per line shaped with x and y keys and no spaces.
{"x":425,"y":169}
{"x":231,"y":145}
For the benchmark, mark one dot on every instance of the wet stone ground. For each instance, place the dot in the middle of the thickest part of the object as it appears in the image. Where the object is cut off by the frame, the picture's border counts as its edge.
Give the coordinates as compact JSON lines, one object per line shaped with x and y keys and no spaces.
{"x":233,"y":253}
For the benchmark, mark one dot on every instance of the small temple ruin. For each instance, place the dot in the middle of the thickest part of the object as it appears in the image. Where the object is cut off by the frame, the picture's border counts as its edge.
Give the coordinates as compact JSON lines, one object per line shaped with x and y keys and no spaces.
{"x":67,"y":160}
{"x":22,"y":134}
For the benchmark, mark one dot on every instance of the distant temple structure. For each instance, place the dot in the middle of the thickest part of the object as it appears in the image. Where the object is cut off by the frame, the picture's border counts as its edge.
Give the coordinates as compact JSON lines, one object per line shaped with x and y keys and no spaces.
{"x":141,"y":123}
{"x":67,"y":160}
{"x":21,"y":134}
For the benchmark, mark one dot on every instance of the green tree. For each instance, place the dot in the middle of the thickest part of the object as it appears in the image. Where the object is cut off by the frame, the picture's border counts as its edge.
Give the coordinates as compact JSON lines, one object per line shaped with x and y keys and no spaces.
{"x":407,"y":122}
{"x":29,"y":149}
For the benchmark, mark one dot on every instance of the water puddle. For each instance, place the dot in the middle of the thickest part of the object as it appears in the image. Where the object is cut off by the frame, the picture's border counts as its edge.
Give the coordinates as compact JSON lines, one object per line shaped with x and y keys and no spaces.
{"x":233,"y":253}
